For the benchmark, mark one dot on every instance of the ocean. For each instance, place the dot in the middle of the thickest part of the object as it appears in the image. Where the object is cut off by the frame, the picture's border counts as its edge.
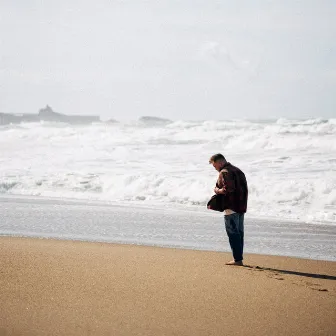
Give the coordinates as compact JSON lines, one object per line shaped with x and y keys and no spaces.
{"x":147,"y":182}
{"x":290,"y":165}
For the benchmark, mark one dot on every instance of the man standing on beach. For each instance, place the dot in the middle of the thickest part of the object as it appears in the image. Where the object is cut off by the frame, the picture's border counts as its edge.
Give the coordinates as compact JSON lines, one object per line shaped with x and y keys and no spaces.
{"x":232,"y":185}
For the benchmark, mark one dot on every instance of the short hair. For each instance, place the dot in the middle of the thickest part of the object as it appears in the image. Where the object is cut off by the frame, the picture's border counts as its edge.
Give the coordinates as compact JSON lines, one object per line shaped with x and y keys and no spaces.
{"x":216,"y":157}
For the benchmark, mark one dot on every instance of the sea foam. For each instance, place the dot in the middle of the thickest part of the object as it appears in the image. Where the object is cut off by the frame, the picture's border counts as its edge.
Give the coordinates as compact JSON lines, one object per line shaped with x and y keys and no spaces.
{"x":290,"y":164}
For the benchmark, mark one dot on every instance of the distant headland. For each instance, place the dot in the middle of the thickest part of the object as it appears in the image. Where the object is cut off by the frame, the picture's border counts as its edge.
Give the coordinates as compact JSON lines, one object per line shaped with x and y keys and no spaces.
{"x":46,"y":114}
{"x":49,"y":115}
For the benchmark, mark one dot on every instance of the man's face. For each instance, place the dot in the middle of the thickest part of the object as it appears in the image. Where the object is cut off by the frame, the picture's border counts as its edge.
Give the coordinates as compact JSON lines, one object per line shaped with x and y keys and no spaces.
{"x":217,"y":164}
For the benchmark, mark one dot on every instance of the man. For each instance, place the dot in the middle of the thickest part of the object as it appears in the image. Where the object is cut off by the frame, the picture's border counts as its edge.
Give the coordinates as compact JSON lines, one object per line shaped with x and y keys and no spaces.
{"x":232,"y":185}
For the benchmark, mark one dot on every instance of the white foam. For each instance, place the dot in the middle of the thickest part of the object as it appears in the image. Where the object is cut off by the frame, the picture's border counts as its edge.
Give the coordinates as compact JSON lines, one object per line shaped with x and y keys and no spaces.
{"x":290,"y":164}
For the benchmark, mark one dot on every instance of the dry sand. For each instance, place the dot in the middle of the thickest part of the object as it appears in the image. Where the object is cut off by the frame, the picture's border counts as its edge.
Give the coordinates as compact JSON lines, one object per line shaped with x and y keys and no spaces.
{"x":50,"y":287}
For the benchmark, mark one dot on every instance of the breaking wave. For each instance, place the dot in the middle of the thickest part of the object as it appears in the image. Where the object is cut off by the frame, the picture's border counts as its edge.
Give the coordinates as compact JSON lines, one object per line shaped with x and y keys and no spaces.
{"x":290,"y":164}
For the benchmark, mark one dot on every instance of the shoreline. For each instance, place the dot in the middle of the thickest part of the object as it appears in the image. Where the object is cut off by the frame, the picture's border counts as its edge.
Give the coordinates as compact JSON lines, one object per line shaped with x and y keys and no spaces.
{"x":64,"y":200}
{"x":63,"y":287}
{"x":123,"y":243}
{"x":195,"y":230}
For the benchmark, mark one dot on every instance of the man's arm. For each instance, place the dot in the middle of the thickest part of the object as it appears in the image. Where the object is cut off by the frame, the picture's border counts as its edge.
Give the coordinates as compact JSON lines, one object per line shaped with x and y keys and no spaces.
{"x":226,"y":183}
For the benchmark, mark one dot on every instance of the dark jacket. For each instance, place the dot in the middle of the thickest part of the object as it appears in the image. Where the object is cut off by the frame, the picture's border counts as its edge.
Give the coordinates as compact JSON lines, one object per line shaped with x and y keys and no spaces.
{"x":217,"y":203}
{"x":235,"y":195}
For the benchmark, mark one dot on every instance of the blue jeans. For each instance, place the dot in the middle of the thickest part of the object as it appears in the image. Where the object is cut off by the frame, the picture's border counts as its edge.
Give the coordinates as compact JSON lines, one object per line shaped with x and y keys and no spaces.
{"x":234,"y":225}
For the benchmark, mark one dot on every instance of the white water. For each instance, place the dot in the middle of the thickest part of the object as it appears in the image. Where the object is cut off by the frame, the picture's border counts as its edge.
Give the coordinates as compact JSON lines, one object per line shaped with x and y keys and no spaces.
{"x":290,"y":165}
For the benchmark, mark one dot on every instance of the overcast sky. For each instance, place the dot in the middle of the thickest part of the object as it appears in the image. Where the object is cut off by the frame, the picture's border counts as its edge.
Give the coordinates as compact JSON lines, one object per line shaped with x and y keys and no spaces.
{"x":186,"y":59}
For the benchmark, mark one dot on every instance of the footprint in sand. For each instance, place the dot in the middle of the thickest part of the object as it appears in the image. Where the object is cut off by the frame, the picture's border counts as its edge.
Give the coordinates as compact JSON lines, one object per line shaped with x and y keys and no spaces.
{"x":315,"y":286}
{"x":257,"y":268}
{"x":312,"y":284}
{"x":319,"y":289}
{"x":275,"y":277}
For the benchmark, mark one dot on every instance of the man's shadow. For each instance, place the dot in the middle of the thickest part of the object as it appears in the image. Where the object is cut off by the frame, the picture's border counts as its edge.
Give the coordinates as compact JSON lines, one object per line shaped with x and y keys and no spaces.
{"x":309,"y":275}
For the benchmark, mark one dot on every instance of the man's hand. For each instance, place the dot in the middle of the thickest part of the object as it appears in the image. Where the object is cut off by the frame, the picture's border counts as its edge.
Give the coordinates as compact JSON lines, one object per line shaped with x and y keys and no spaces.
{"x":217,"y":191}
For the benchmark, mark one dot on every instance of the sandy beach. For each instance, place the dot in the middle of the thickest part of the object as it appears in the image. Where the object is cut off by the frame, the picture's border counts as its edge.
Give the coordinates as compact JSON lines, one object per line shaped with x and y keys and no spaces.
{"x":55,"y":287}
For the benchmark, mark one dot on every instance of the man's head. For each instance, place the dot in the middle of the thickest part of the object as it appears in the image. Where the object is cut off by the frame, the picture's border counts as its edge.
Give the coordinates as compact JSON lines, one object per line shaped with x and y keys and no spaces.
{"x":218,"y":161}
